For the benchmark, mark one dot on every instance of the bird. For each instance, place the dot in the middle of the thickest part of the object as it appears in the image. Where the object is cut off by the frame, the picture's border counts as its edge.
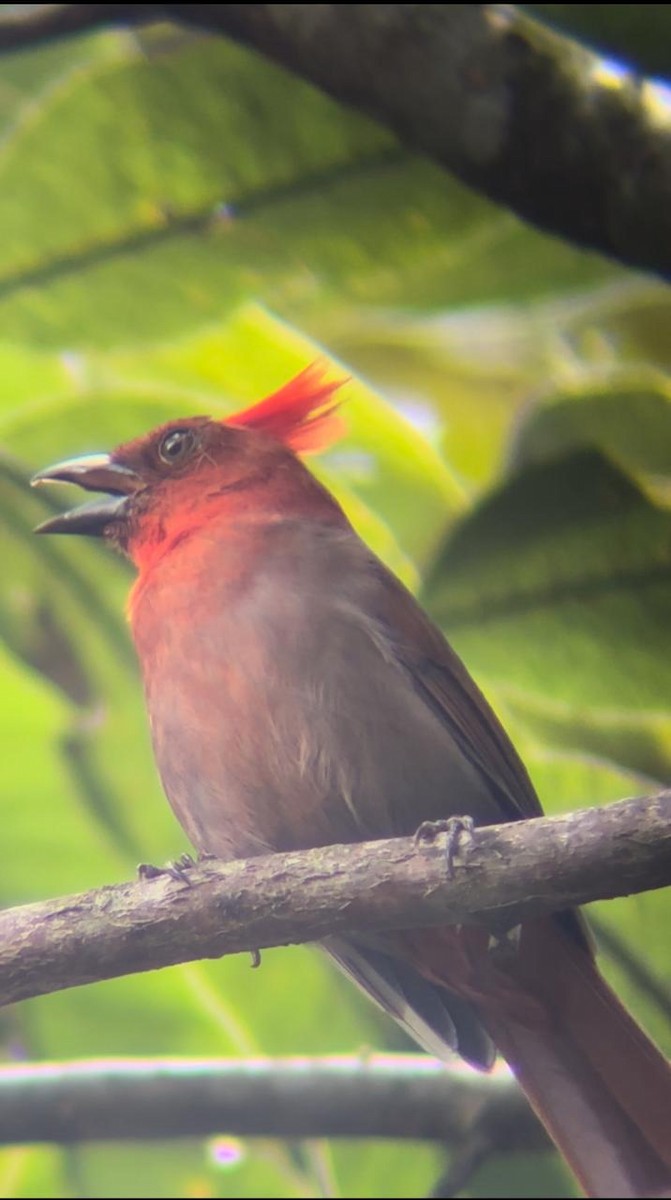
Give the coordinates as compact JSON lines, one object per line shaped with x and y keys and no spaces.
{"x":299,"y":696}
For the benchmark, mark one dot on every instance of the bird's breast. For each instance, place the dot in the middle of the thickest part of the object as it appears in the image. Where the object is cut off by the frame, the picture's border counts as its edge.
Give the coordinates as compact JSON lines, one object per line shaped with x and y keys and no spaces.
{"x":280,"y":717}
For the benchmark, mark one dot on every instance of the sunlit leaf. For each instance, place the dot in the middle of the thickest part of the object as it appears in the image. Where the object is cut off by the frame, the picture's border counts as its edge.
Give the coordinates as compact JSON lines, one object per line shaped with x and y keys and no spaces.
{"x":232,"y":179}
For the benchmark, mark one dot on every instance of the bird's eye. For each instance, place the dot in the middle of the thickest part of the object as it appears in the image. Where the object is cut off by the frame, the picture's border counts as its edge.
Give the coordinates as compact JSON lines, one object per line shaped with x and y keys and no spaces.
{"x":176,"y":445}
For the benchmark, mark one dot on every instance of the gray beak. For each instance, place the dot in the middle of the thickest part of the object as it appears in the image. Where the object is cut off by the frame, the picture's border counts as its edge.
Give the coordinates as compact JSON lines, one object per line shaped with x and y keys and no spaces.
{"x":94,"y":473}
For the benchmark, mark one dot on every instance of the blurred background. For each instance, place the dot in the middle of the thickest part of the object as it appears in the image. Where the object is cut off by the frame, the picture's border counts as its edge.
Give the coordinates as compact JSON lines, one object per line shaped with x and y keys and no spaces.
{"x":183,"y":226}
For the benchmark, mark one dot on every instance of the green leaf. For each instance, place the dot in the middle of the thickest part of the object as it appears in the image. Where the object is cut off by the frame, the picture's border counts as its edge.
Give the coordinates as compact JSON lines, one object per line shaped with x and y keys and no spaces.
{"x":387,"y":1169}
{"x":57,"y":847}
{"x":560,"y":584}
{"x":231,"y":179}
{"x":32,"y":1171}
{"x":629,"y":420}
{"x":638,"y":741}
{"x":523,"y":1175}
{"x":32,"y":78}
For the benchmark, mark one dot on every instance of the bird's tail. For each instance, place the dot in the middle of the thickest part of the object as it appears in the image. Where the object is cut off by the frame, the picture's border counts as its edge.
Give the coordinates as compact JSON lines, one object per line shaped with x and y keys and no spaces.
{"x":599,"y":1085}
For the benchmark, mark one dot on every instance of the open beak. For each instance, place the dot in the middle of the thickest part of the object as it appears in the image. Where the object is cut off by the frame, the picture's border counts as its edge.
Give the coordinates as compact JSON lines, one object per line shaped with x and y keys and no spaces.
{"x":94,"y":473}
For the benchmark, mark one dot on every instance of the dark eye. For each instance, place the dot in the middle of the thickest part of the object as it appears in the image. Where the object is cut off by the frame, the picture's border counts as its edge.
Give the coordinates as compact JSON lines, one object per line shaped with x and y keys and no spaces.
{"x":176,"y":445}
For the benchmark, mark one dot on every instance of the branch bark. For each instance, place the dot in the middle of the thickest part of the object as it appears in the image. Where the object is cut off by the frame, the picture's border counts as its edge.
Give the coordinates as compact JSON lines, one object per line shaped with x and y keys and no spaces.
{"x":390,"y":1096}
{"x":501,"y":875}
{"x":532,"y":119}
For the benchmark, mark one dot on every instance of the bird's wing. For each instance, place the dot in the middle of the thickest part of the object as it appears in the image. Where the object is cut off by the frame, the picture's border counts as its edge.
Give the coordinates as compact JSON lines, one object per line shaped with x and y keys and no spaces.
{"x":440,"y":1021}
{"x":439,"y":676}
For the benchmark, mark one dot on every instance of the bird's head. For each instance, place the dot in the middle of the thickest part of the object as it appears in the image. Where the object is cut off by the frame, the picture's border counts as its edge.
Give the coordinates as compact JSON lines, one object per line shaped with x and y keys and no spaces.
{"x":156,"y":487}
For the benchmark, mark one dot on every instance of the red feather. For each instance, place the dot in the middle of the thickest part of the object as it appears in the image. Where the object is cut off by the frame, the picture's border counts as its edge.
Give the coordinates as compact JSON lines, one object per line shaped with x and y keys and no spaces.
{"x":302,"y":414}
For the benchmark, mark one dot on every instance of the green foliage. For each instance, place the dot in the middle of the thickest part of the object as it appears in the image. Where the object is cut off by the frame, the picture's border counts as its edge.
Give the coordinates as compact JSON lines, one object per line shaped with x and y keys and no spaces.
{"x":185,"y":226}
{"x":562,"y":551}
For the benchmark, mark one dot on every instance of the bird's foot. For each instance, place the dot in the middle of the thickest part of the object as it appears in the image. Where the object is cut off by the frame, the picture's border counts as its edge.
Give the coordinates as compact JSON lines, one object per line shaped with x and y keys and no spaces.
{"x":177,"y":870}
{"x":456,"y":829}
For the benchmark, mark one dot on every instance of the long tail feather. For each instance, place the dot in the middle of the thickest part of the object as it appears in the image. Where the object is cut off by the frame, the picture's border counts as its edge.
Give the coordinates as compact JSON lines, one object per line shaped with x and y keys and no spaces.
{"x":601,"y":1088}
{"x":597,"y":1082}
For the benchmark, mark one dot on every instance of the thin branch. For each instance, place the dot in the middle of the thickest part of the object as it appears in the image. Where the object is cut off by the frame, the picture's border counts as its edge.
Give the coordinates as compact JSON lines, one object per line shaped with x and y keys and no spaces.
{"x":380,"y":1096}
{"x":501,"y":875}
{"x":532,"y":119}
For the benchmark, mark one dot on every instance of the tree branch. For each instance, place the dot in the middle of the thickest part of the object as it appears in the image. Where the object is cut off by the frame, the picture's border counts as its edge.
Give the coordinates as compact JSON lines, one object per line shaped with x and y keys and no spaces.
{"x":524,"y":115}
{"x":532,"y":119}
{"x":380,"y":1096}
{"x":502,"y":874}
